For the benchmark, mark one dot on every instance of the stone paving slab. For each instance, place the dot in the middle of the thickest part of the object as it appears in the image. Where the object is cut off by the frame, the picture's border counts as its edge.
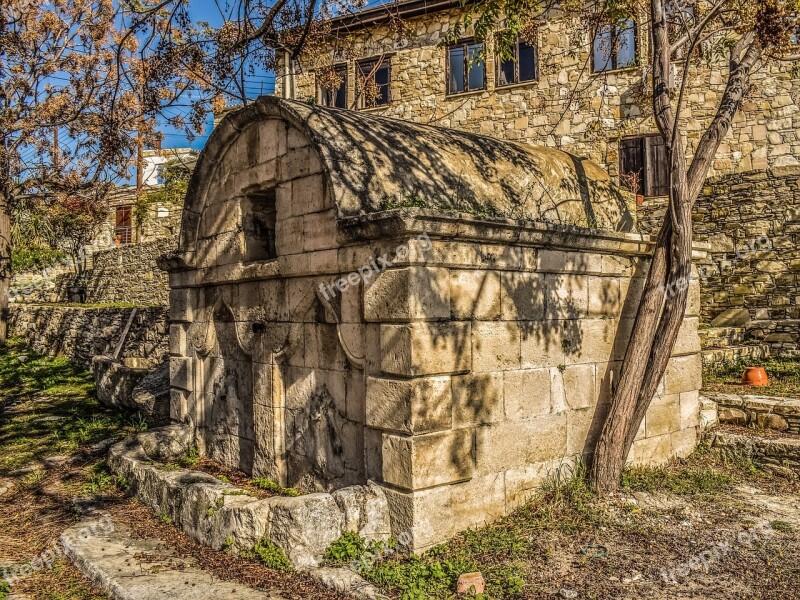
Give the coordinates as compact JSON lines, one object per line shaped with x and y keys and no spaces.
{"x":134,"y":569}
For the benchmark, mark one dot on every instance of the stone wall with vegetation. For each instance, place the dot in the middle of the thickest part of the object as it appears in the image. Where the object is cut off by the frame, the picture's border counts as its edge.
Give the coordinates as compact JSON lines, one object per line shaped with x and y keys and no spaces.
{"x":123,"y":274}
{"x":567,"y":107}
{"x":752,"y":222}
{"x":82,"y":333}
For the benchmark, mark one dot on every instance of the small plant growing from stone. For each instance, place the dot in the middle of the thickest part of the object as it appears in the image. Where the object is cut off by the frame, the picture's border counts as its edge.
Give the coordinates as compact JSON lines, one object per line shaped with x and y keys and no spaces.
{"x":349,"y":547}
{"x":165,"y":519}
{"x":228,"y":544}
{"x":562,"y":368}
{"x":192,"y":457}
{"x":268,"y":485}
{"x":217,"y":505}
{"x":270,"y":554}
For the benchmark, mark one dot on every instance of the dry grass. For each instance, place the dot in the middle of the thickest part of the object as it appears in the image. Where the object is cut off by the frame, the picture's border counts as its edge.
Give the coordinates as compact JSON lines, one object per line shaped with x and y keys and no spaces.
{"x":726,"y":377}
{"x":568,"y":539}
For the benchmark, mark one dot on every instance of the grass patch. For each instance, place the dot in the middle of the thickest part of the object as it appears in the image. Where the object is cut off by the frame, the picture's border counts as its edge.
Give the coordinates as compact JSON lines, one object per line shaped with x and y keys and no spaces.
{"x":48,"y":408}
{"x":674,"y":479}
{"x":269,"y":554}
{"x":100,"y":480}
{"x":268,"y":485}
{"x":503,"y":551}
{"x":782,"y":526}
{"x":784,"y":375}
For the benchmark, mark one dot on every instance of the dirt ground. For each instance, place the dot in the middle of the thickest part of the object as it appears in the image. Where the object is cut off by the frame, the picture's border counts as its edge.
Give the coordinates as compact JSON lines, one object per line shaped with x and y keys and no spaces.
{"x":705,"y":527}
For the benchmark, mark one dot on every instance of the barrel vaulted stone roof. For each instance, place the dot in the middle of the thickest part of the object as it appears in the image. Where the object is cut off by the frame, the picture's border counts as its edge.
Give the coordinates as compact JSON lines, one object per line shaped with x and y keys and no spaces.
{"x":374,"y":164}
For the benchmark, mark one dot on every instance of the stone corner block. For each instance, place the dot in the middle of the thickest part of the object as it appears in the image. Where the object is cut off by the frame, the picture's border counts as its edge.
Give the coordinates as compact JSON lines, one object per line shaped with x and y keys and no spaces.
{"x":407,"y":294}
{"x":365,"y":511}
{"x":416,"y":349}
{"x":410,"y":406}
{"x":415,"y":463}
{"x":305,"y":526}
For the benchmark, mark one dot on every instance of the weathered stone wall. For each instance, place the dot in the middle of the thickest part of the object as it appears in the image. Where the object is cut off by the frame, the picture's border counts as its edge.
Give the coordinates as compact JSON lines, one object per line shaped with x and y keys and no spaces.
{"x":121,"y":274}
{"x":752,"y":222}
{"x":469,"y":362}
{"x":493,"y":368}
{"x":82,"y":333}
{"x":549,"y":112}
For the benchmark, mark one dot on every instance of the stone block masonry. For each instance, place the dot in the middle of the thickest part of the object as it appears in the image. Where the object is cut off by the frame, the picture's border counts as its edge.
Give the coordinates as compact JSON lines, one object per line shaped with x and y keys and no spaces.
{"x":752,"y":222}
{"x":126,"y":273}
{"x":565,"y":106}
{"x":478,"y":362}
{"x":82,"y":333}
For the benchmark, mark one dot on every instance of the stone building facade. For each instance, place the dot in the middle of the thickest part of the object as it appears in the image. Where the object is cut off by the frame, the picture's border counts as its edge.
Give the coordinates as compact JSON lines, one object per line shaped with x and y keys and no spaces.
{"x":566,"y":105}
{"x":562,"y":102}
{"x":357,"y":298}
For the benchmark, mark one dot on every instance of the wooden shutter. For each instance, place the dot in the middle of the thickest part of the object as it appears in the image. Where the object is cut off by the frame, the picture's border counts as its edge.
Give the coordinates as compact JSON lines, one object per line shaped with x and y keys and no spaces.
{"x":631,"y":160}
{"x":656,"y":179}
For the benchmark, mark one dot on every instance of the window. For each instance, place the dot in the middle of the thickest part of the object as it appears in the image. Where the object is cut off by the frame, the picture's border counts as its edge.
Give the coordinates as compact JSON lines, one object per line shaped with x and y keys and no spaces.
{"x":644,"y":160}
{"x":376,"y":80}
{"x":332,"y":91}
{"x":522,"y":66}
{"x":466,"y":69}
{"x":123,"y":231}
{"x":258,"y":223}
{"x":614,"y":47}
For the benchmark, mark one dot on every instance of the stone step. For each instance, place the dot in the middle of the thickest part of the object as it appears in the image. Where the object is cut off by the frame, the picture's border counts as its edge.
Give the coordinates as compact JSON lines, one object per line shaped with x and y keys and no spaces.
{"x":144,"y":569}
{"x":777,"y":454}
{"x":736,"y":353}
{"x":765,"y":412}
{"x":722,"y":337}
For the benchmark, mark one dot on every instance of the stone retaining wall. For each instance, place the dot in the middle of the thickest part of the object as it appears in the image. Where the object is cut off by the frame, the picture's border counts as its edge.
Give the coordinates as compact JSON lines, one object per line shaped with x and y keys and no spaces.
{"x":82,"y":333}
{"x":123,"y":274}
{"x":752,"y":221}
{"x":778,"y":455}
{"x":781,"y":414}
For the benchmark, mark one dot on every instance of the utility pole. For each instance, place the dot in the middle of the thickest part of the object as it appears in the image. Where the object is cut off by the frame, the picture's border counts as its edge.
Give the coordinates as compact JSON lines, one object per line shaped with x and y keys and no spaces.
{"x":139,"y":162}
{"x":55,"y":148}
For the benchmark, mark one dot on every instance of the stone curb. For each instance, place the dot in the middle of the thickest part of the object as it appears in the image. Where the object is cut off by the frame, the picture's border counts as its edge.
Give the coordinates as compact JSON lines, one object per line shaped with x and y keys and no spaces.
{"x":345,"y":581}
{"x":780,"y":414}
{"x":220,"y":515}
{"x":781,"y":455}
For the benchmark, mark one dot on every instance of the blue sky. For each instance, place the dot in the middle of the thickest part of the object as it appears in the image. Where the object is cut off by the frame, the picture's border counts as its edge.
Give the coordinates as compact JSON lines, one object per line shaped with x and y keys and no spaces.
{"x":256,"y":85}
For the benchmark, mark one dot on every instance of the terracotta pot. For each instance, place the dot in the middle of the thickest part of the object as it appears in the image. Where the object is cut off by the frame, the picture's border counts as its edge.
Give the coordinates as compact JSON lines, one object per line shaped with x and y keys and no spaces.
{"x":755,"y":376}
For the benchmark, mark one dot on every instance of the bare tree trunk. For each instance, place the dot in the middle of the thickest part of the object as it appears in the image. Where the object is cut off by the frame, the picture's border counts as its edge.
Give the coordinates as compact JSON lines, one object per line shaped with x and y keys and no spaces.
{"x":665,"y":295}
{"x":5,"y":264}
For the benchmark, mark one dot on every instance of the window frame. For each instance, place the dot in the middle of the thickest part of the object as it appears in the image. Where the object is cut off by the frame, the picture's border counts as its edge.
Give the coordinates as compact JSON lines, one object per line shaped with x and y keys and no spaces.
{"x":614,"y":55}
{"x":465,"y":44}
{"x":123,"y":234}
{"x":384,"y":60}
{"x":321,"y":92}
{"x":646,"y":186}
{"x":499,"y":65}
